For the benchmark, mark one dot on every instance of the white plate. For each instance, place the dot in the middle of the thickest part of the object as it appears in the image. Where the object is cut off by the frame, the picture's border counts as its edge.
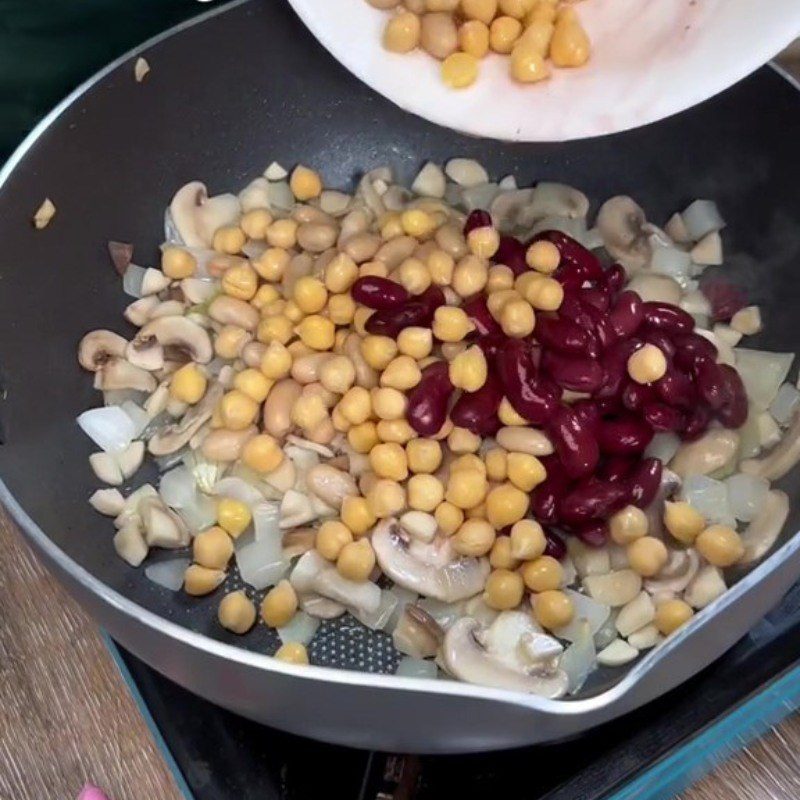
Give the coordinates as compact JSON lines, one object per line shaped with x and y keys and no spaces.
{"x":650,"y":59}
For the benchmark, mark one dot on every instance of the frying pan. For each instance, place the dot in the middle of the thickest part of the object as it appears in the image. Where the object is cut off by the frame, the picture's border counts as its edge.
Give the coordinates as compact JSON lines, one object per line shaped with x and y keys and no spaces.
{"x":228,"y":93}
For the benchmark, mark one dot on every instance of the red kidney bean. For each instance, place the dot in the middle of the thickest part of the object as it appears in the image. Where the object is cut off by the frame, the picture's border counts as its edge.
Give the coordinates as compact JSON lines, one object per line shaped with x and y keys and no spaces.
{"x":615,"y":363}
{"x":645,"y":481}
{"x":477,"y":411}
{"x":593,"y":533}
{"x":692,"y":348}
{"x":427,"y":401}
{"x":389,"y":322}
{"x":734,"y":413}
{"x":636,"y":395}
{"x":573,"y":372}
{"x":561,"y":334}
{"x":661,"y":341}
{"x":666,"y":317}
{"x":617,"y":468}
{"x":573,"y":441}
{"x":596,"y":296}
{"x":572,"y":309}
{"x":573,"y":252}
{"x":725,"y":299}
{"x":554,"y":546}
{"x":478,"y":312}
{"x":608,"y":406}
{"x":623,"y":436}
{"x":431,"y":298}
{"x":627,"y":315}
{"x":711,"y":383}
{"x":511,"y":252}
{"x":546,"y":496}
{"x":492,"y":345}
{"x":533,"y":396}
{"x":477,"y":219}
{"x":676,"y":388}
{"x":697,"y":421}
{"x":661,"y":417}
{"x":592,"y":499}
{"x":379,"y":293}
{"x":588,"y":412}
{"x":615,"y":277}
{"x":600,"y":325}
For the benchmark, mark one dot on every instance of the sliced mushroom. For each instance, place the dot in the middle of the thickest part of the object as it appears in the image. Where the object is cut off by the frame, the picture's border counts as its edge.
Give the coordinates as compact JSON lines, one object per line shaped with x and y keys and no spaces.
{"x":467,"y":659}
{"x":614,"y":589}
{"x":588,"y":560}
{"x":168,"y":308}
{"x":705,"y":587}
{"x":681,"y":567}
{"x":670,"y":483}
{"x":121,"y":374}
{"x":162,"y":526}
{"x":298,"y":541}
{"x":557,"y":200}
{"x":321,"y":449}
{"x":432,"y":570}
{"x":782,"y":458}
{"x":508,"y":210}
{"x":283,"y":478}
{"x":255,"y":195}
{"x":97,"y":348}
{"x":712,"y":451}
{"x":139,"y":311}
{"x":173,"y":437}
{"x":196,"y":215}
{"x":419,"y":525}
{"x":330,"y":485}
{"x":313,"y":573}
{"x":108,"y":502}
{"x":622,"y":224}
{"x":417,"y":633}
{"x":762,"y":533}
{"x":179,"y":332}
{"x":145,"y":353}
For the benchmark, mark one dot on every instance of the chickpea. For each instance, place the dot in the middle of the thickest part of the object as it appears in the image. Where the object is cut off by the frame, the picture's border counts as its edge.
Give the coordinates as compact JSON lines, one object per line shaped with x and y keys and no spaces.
{"x":199,"y":580}
{"x":402,"y":33}
{"x":177,"y":263}
{"x":275,"y":329}
{"x":508,"y":414}
{"x":439,"y":37}
{"x":647,"y":365}
{"x":310,"y":294}
{"x":469,"y":370}
{"x":647,"y":556}
{"x":388,"y":460}
{"x":234,"y":516}
{"x":424,"y":455}
{"x":425,"y":492}
{"x":236,"y":612}
{"x":279,"y":605}
{"x":362,"y":438}
{"x":504,"y":590}
{"x":254,"y":384}
{"x":255,"y":223}
{"x":292,"y":653}
{"x":473,"y":38}
{"x":331,"y":537}
{"x":683,"y":522}
{"x":505,"y":505}
{"x":395,"y":430}
{"x":386,"y":498}
{"x":340,"y":273}
{"x":305,"y":183}
{"x":356,"y":561}
{"x":355,"y":405}
{"x":475,"y":537}
{"x":282,"y":233}
{"x":357,"y":515}
{"x":316,"y":332}
{"x":276,"y":361}
{"x":378,"y":351}
{"x":188,"y":384}
{"x":416,"y":222}
{"x":401,"y":373}
{"x":671,"y":615}
{"x":468,"y":461}
{"x":451,"y":324}
{"x":341,"y":310}
{"x":569,"y":46}
{"x":542,"y":574}
{"x":441,"y":266}
{"x":553,"y":609}
{"x":496,"y":301}
{"x":415,"y":342}
{"x":229,"y":239}
{"x":212,"y":548}
{"x":528,"y":541}
{"x":527,"y":62}
{"x":262,"y":453}
{"x":525,"y":471}
{"x":461,"y":440}
{"x":470,"y":274}
{"x":237,"y":410}
{"x":308,"y":411}
{"x":545,"y":294}
{"x":230,"y":341}
{"x":448,"y":517}
{"x":338,"y":374}
{"x":483,"y":10}
{"x":272,"y":263}
{"x":503,"y":33}
{"x":500,"y":556}
{"x":500,"y":279}
{"x":466,"y":488}
{"x":388,"y":403}
{"x":627,"y":525}
{"x":720,"y":545}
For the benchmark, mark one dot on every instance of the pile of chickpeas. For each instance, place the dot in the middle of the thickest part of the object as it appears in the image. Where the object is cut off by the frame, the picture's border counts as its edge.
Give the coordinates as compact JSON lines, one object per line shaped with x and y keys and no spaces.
{"x":535,"y":34}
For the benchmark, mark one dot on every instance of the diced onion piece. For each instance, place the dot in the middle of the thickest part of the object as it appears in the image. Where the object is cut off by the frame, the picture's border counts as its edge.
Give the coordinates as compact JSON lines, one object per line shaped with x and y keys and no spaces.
{"x":238,"y":489}
{"x":784,"y":406}
{"x":586,"y":610}
{"x":578,"y":659}
{"x":378,"y":619}
{"x":616,"y":654}
{"x":260,"y":556}
{"x":301,"y":629}
{"x":668,"y":260}
{"x":762,"y":373}
{"x":200,"y":514}
{"x":404,"y":597}
{"x":138,"y":416}
{"x":446,"y":614}
{"x":168,"y":574}
{"x":702,"y":217}
{"x":132,"y":280}
{"x":275,"y":172}
{"x":409,"y":667}
{"x":709,"y":497}
{"x":746,"y":495}
{"x":769,"y":434}
{"x":110,"y":428}
{"x":430,"y":181}
{"x":177,"y":488}
{"x":663,"y":446}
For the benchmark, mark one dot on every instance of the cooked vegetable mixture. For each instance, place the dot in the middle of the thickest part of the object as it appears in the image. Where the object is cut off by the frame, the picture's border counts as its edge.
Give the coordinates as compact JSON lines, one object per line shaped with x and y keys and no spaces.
{"x":521,"y":445}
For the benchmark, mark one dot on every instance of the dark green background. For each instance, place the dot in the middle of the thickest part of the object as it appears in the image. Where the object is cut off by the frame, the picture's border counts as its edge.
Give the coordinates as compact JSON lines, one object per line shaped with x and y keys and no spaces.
{"x":48,"y":47}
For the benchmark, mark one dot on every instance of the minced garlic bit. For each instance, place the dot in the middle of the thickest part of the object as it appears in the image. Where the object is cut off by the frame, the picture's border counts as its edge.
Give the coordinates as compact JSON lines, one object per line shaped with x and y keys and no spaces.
{"x":46,"y":212}
{"x":140,"y":69}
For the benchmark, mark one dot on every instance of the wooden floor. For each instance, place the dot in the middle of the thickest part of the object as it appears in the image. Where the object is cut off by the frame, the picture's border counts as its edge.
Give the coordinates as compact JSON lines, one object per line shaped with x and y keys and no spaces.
{"x":66,"y":716}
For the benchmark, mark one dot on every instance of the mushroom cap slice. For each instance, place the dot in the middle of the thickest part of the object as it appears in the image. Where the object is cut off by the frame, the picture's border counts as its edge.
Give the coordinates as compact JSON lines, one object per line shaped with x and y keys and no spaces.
{"x":760,"y":535}
{"x":677,"y":574}
{"x":175,"y":436}
{"x":466,"y":659}
{"x":449,"y":580}
{"x":622,"y":224}
{"x":121,"y":374}
{"x":98,"y":347}
{"x":312,"y":573}
{"x":712,"y":451}
{"x":145,"y":353}
{"x":508,"y":210}
{"x":178,"y":332}
{"x":195,"y":216}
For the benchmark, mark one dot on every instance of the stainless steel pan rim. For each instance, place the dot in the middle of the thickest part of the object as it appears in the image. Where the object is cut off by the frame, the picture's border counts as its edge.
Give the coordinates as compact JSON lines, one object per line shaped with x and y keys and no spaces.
{"x":200,"y":642}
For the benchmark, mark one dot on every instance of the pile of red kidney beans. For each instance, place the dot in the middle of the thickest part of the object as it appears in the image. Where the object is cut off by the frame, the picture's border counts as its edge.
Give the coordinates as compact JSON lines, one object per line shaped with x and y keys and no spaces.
{"x":598,"y":465}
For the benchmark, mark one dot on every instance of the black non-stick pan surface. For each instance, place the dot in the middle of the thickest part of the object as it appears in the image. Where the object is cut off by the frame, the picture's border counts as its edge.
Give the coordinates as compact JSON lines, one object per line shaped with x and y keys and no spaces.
{"x":222,"y":100}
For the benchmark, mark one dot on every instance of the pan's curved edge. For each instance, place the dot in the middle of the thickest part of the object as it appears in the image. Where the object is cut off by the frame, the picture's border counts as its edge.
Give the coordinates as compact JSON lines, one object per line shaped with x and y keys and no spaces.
{"x":591,"y":707}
